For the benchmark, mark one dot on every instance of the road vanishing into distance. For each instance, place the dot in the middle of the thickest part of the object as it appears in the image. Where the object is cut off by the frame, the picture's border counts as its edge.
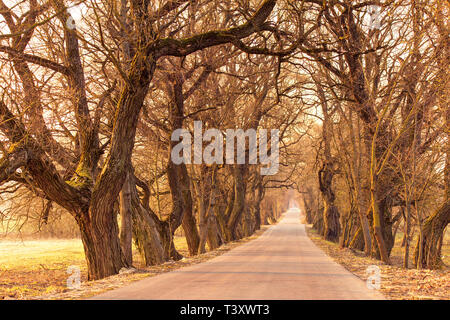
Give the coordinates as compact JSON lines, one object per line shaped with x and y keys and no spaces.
{"x":282,"y":264}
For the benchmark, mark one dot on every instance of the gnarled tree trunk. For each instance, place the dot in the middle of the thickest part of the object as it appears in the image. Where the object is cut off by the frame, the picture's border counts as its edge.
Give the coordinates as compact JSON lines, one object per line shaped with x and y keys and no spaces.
{"x":179,"y":180}
{"x":239,"y":201}
{"x":126,"y":233}
{"x":427,"y":253}
{"x":102,"y":247}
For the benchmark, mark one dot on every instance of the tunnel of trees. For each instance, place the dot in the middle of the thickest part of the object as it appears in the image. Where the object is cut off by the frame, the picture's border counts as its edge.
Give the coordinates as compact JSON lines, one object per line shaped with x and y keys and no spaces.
{"x":92,"y":90}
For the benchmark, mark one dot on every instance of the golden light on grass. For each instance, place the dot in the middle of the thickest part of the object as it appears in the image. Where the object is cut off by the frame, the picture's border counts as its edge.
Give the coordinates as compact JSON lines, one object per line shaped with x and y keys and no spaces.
{"x":36,"y":267}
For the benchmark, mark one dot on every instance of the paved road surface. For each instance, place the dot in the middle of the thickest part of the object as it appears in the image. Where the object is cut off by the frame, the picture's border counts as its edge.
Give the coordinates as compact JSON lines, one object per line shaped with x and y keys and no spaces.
{"x":282,"y":263}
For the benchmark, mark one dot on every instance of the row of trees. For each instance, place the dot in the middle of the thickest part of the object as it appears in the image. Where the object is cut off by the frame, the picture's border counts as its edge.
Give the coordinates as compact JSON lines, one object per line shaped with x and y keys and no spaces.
{"x":383,"y":147}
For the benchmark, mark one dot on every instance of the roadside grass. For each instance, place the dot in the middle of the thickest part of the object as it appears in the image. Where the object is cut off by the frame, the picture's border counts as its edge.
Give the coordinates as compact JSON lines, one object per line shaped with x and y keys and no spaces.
{"x":397,"y":283}
{"x":35,"y":267}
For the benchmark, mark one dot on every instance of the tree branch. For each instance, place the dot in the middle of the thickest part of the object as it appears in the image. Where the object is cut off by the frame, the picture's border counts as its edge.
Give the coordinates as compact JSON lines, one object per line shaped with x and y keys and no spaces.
{"x":184,"y":47}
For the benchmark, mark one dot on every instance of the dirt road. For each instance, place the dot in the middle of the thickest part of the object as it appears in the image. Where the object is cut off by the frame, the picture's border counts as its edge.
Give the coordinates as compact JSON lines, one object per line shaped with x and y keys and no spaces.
{"x":283,"y":263}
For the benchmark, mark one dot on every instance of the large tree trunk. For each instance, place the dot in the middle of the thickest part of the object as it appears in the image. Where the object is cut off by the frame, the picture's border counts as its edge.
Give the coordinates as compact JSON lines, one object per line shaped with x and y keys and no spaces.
{"x":332,"y":227}
{"x":166,"y":233}
{"x":222,"y":210}
{"x":407,"y":231}
{"x":179,"y":180}
{"x":102,"y":247}
{"x":356,"y":174}
{"x":92,"y":204}
{"x":214,"y":238}
{"x":188,"y":223}
{"x":427,"y":253}
{"x":182,"y":205}
{"x":247,"y":222}
{"x":308,"y":205}
{"x":428,"y":248}
{"x":357,"y":241}
{"x":381,"y":233}
{"x":331,"y":223}
{"x":257,"y":205}
{"x":318,"y":224}
{"x":110,"y":181}
{"x":203,"y":221}
{"x":96,"y":219}
{"x":382,"y":187}
{"x":223,"y":218}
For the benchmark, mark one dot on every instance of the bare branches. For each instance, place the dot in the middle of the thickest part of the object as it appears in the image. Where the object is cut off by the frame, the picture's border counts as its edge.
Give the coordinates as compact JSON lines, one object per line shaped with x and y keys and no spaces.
{"x":184,"y":47}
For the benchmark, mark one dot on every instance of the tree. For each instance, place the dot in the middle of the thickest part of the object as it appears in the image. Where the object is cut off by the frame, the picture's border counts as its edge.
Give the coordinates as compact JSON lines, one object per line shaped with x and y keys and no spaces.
{"x":89,"y":196}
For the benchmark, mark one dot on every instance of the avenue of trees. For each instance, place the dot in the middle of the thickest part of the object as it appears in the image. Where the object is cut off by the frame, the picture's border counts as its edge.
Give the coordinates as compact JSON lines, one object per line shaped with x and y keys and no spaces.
{"x":382,"y":153}
{"x":357,"y":89}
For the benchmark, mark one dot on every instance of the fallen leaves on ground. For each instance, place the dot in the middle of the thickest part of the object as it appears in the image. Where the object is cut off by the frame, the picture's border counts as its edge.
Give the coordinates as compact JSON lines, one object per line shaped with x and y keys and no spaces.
{"x":58,"y":290}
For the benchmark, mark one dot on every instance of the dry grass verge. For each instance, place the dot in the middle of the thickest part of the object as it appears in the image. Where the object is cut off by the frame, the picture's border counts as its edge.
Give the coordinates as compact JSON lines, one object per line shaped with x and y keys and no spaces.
{"x":396,"y":283}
